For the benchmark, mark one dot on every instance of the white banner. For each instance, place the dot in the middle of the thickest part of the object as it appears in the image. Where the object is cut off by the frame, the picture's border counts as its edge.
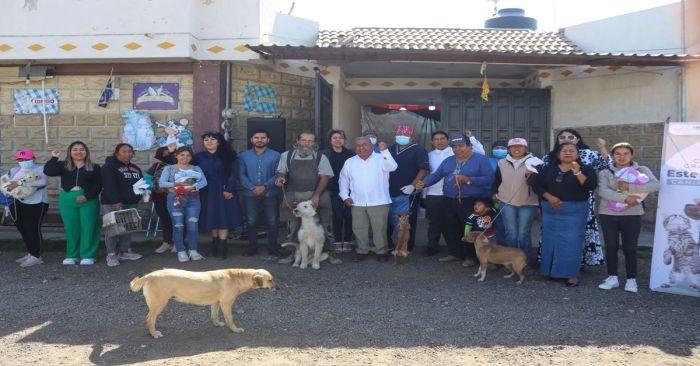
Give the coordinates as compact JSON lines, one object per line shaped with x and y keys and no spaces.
{"x":675,"y":264}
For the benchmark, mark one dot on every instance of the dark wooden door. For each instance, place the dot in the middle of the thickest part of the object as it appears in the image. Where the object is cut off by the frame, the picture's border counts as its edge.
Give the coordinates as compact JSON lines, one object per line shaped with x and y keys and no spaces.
{"x":508,"y":113}
{"x":324,"y":110}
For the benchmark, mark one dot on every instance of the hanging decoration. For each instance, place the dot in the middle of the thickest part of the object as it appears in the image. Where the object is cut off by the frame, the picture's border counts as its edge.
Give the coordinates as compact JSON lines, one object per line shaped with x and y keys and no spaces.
{"x":258,"y":98}
{"x":138,"y":130}
{"x":484,"y":83}
{"x":161,"y":96}
{"x":36,"y":101}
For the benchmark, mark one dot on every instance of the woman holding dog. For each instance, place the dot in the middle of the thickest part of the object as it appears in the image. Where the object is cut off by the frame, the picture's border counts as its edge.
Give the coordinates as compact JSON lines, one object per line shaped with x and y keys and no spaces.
{"x":29,"y":212}
{"x":186,"y":212}
{"x":221,"y":210}
{"x":621,"y":212}
{"x":118,"y":178}
{"x":563,"y":188}
{"x":78,"y":202}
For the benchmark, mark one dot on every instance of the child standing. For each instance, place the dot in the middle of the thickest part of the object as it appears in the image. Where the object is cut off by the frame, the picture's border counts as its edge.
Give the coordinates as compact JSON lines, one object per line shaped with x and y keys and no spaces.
{"x":481,"y":219}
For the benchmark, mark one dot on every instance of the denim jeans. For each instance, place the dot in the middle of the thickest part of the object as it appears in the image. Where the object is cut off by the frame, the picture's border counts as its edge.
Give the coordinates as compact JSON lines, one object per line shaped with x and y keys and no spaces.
{"x":517,"y":221}
{"x":252,"y":208}
{"x":187,"y":212}
{"x":342,"y":219}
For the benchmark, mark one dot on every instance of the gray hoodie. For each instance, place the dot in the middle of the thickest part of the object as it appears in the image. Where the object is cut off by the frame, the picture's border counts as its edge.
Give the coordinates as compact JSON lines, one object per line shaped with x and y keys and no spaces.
{"x":607,"y":190}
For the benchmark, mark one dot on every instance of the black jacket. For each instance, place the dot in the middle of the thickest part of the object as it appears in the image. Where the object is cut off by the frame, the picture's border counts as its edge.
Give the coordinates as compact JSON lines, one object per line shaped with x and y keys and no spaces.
{"x":89,"y":181}
{"x":337,"y":161}
{"x":117,"y":182}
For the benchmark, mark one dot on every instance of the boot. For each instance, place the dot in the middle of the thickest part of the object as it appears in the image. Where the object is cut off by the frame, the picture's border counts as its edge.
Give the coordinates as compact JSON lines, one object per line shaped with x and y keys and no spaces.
{"x":223,"y":248}
{"x":215,"y":247}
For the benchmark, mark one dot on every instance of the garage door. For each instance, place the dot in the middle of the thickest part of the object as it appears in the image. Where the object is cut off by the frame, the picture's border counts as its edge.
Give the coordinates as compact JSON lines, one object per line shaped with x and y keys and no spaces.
{"x":508,"y":113}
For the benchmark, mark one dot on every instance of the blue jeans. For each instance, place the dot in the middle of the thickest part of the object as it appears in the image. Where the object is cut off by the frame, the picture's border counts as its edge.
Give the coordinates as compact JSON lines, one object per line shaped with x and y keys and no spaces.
{"x":252,"y":208}
{"x":187,"y":212}
{"x":517,"y":221}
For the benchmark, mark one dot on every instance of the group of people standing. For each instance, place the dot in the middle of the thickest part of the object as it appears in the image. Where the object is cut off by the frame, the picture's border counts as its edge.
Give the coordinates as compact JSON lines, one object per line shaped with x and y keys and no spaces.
{"x":355,"y":191}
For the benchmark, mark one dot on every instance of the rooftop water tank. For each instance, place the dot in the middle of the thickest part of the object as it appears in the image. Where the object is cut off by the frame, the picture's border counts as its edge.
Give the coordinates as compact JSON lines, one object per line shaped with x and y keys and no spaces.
{"x":511,"y":18}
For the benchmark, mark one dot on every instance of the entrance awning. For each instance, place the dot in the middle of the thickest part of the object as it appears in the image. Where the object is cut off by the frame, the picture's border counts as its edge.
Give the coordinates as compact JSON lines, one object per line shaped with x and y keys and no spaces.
{"x":521,"y":58}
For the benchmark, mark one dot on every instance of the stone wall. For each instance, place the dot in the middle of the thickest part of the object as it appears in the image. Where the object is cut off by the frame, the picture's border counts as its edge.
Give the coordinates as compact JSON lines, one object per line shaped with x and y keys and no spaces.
{"x":647,"y":140}
{"x":295,"y":100}
{"x":80,"y":118}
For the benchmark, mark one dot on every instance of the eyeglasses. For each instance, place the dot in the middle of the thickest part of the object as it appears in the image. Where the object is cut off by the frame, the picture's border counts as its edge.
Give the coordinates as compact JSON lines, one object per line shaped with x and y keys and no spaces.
{"x":560,"y":177}
{"x":567,"y":137}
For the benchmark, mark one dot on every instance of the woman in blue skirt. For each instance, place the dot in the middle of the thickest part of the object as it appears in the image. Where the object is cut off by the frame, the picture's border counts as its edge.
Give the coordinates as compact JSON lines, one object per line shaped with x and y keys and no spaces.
{"x":563,"y":187}
{"x":221,"y":210}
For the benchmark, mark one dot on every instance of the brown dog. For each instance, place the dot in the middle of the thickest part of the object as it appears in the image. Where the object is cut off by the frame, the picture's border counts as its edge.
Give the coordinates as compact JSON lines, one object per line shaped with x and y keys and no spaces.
{"x":513,"y":259}
{"x":401,"y":249}
{"x":216,"y":288}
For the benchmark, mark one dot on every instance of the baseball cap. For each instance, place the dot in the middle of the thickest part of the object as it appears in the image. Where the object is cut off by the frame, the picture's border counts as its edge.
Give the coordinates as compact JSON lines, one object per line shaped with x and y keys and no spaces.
{"x":459,"y":140}
{"x":517,"y":141}
{"x":24,"y":154}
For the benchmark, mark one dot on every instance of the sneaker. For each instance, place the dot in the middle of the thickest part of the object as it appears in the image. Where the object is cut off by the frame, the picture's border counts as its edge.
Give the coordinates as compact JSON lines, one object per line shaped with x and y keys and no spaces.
{"x":610,"y":283}
{"x":112,"y":260}
{"x":194,"y":255}
{"x":468,"y":263}
{"x":87,"y":261}
{"x":129,"y":256}
{"x":20,"y":260}
{"x":182,"y":256}
{"x":334,"y":260}
{"x":631,"y":285}
{"x":164,"y":248}
{"x":69,"y":261}
{"x":338,"y":247}
{"x":173,"y":249}
{"x":32,"y":261}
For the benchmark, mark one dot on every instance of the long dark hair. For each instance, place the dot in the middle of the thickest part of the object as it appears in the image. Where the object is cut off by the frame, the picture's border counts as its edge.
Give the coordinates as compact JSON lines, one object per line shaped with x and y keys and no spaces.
{"x":69,"y":165}
{"x":580,"y":145}
{"x":223,"y":151}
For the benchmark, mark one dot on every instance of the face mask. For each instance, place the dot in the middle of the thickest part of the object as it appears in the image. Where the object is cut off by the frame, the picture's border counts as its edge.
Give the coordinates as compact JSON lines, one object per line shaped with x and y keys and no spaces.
{"x":26,"y":164}
{"x":373,"y":140}
{"x":499,"y":154}
{"x":402,"y":140}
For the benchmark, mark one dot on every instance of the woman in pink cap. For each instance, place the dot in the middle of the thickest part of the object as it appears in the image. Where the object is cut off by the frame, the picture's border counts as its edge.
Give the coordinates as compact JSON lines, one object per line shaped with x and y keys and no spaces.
{"x":29,"y":212}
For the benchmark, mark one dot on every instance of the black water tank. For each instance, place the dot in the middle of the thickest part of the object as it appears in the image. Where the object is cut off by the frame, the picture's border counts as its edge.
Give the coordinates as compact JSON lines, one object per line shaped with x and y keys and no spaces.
{"x":511,"y":18}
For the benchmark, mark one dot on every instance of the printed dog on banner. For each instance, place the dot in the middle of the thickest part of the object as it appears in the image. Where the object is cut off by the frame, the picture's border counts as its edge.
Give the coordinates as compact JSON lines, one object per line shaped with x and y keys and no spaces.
{"x":33,"y":101}
{"x":257,"y":98}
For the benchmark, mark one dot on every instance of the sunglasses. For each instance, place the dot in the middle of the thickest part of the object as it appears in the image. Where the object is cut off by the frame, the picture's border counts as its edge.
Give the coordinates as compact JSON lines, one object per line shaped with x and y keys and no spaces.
{"x":560,"y":177}
{"x":567,"y":137}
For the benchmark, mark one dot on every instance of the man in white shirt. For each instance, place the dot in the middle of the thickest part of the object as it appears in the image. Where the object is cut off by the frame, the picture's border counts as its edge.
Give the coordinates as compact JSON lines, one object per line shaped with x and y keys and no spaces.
{"x":434,"y":208}
{"x":364,"y":186}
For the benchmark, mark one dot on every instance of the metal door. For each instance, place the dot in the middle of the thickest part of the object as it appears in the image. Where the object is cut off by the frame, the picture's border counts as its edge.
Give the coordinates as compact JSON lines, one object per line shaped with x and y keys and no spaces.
{"x":324,"y":110}
{"x":508,"y":113}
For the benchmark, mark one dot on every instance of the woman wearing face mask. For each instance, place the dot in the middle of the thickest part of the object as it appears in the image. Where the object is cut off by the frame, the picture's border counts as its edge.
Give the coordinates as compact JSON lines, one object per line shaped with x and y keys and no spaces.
{"x":118,"y":178}
{"x":78,"y":202}
{"x":29,"y":213}
{"x":599,"y":160}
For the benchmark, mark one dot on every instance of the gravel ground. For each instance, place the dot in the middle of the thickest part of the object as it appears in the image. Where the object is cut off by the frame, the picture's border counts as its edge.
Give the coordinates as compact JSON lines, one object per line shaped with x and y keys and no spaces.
{"x":423,"y":312}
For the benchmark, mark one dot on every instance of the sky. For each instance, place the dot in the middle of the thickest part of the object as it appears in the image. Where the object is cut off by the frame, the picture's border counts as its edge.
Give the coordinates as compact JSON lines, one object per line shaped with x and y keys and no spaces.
{"x":550,"y":14}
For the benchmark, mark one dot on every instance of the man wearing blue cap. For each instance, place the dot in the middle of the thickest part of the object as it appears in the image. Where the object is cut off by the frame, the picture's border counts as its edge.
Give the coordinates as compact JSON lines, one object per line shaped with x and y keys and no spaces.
{"x":466,"y":176}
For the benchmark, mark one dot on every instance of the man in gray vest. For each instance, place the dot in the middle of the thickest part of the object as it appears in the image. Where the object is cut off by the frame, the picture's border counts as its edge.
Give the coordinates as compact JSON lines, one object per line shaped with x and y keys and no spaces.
{"x":303,"y":174}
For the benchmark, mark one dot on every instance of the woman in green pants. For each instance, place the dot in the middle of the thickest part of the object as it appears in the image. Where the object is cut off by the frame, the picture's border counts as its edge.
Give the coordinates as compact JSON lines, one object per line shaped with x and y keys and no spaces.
{"x":78,"y":202}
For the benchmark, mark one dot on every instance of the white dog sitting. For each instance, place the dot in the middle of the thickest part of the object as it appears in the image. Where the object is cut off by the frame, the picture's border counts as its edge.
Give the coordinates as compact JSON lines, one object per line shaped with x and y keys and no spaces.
{"x":311,"y":237}
{"x":22,"y":191}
